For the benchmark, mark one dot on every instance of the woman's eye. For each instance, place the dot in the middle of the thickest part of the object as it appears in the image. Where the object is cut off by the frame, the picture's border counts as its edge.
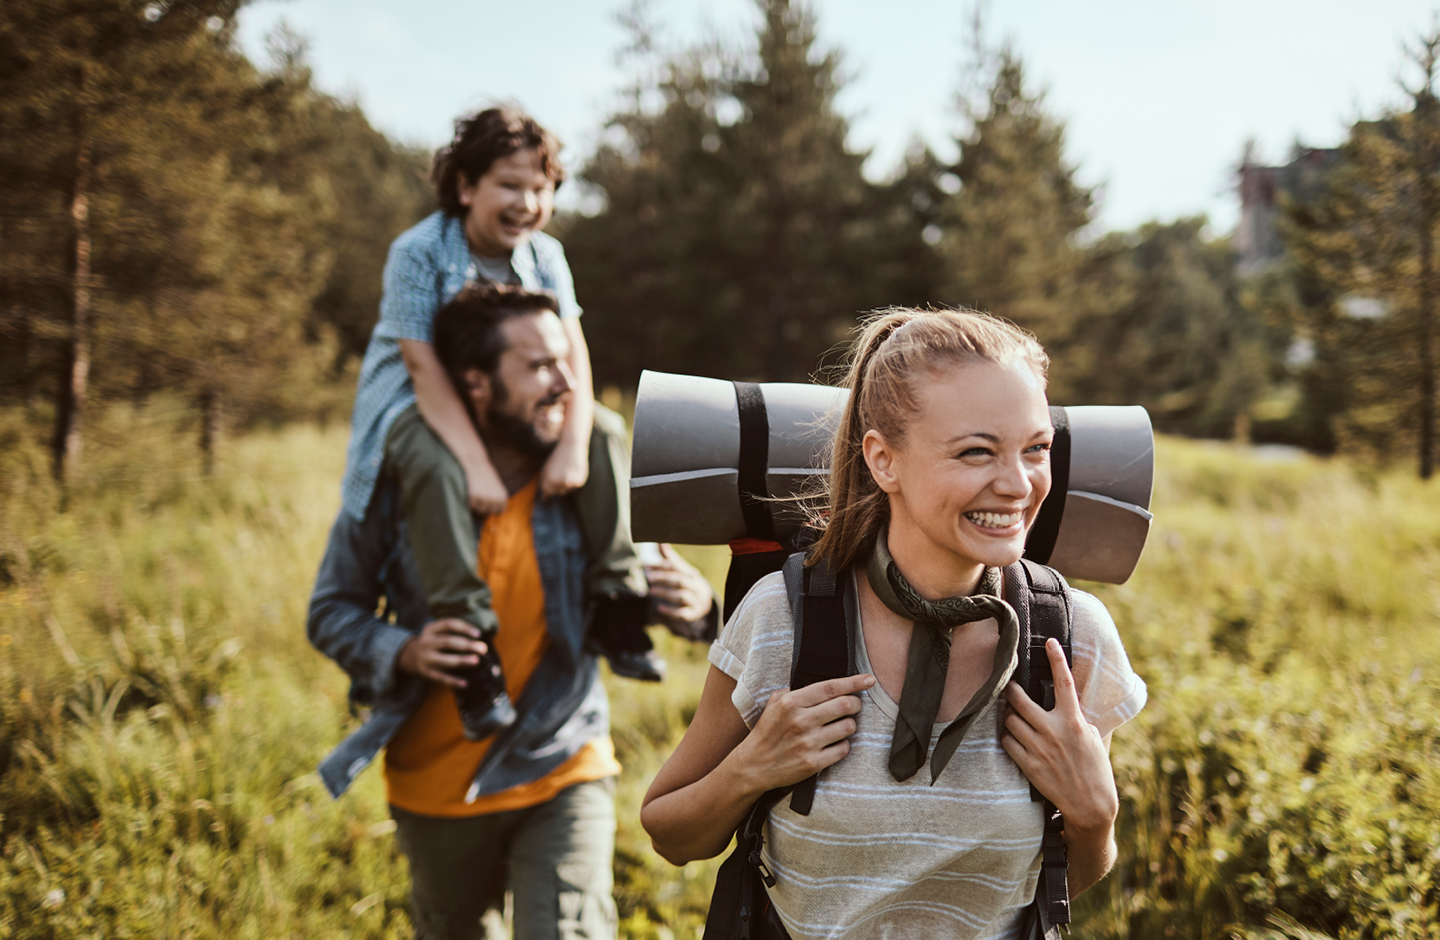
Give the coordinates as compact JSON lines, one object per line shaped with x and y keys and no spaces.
{"x":975,"y":452}
{"x":1038,"y":449}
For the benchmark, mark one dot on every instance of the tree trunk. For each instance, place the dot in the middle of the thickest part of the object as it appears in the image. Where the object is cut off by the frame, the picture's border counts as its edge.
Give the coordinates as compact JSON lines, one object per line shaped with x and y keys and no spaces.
{"x":211,"y":416}
{"x":1427,"y":354}
{"x":75,"y":364}
{"x":1429,"y":211}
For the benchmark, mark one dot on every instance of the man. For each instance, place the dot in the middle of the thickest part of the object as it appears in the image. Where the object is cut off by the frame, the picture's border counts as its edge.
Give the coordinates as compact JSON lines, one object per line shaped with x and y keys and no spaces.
{"x":530,"y":807}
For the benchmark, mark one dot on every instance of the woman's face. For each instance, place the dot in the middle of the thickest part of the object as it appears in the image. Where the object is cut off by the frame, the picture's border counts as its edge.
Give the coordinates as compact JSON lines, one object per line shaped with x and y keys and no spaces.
{"x":967,"y":481}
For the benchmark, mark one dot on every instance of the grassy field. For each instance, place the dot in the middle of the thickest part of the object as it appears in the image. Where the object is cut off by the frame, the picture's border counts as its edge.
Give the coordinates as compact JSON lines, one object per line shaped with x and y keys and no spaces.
{"x":161,"y":713}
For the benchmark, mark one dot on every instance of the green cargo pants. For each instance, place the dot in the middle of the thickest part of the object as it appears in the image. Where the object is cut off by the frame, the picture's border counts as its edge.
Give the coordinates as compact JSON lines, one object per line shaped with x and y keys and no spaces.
{"x":556,"y":859}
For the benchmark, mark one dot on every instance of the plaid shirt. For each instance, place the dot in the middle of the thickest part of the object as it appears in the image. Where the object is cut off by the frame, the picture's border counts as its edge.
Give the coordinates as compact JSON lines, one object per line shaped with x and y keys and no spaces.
{"x":428,"y":265}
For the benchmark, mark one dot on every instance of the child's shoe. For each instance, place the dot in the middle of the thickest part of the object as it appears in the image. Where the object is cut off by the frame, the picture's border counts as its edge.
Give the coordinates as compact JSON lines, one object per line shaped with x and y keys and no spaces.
{"x":618,"y":629}
{"x":485,"y":707}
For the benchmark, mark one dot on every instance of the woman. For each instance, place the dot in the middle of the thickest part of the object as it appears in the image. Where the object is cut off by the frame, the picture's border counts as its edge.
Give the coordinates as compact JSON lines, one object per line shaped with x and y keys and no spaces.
{"x":938,"y":470}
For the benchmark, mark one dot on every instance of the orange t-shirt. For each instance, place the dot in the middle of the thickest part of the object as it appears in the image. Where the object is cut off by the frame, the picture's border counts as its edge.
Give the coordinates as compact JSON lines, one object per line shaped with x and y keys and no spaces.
{"x":429,"y":764}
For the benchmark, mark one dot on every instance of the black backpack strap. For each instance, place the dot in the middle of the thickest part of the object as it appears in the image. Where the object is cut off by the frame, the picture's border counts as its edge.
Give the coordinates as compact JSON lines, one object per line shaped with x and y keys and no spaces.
{"x":822,"y":640}
{"x":754,"y":460}
{"x":1043,"y":605}
{"x":739,"y":904}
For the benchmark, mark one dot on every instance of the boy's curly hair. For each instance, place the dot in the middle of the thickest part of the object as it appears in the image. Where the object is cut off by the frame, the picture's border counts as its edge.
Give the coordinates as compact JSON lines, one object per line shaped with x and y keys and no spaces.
{"x":480,"y":140}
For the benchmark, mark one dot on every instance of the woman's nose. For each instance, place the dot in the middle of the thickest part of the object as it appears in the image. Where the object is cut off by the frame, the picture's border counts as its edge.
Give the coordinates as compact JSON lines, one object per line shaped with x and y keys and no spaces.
{"x":1014,"y":479}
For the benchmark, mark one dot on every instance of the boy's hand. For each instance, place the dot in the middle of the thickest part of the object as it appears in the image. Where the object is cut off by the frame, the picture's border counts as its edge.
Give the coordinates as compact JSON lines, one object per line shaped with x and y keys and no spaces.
{"x":567,"y":468}
{"x":488,"y":495}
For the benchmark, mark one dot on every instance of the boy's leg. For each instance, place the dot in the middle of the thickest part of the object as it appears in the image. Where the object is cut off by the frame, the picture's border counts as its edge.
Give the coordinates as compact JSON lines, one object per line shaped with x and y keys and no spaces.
{"x":443,"y":538}
{"x":615,"y":576}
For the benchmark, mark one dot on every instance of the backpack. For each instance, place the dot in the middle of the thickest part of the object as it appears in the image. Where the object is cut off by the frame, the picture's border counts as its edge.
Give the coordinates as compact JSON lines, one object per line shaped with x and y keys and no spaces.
{"x":740,"y":907}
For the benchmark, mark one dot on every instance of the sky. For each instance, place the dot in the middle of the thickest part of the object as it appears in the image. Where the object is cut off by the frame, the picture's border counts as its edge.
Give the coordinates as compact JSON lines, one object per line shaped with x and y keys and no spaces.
{"x":1158,"y":99}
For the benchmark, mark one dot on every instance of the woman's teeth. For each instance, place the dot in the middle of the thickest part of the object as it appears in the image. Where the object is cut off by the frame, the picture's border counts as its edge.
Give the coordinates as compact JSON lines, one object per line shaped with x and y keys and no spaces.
{"x":993,"y":520}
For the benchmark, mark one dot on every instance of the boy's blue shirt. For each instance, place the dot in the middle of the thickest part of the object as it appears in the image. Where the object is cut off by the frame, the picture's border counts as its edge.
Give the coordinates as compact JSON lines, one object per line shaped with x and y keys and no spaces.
{"x":428,"y":264}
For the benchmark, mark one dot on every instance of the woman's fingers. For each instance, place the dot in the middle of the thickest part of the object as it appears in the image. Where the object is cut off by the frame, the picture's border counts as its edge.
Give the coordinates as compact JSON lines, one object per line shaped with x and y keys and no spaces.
{"x":802,"y":731}
{"x":819,"y":692}
{"x":1066,"y":698}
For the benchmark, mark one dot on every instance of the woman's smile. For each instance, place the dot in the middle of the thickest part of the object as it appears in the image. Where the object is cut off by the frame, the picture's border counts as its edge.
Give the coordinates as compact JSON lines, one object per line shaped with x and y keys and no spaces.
{"x":996,"y":520}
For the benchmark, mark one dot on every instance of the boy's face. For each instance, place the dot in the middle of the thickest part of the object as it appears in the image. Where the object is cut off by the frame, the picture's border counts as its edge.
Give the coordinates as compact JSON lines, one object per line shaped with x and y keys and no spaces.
{"x":506,"y":205}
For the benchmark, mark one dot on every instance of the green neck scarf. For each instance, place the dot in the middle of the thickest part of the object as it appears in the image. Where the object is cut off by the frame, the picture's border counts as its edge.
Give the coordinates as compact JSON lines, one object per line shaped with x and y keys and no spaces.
{"x":929,"y":660}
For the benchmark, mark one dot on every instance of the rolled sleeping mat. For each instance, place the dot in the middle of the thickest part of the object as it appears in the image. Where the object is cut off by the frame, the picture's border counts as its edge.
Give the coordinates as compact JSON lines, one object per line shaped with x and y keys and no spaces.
{"x":710,"y":456}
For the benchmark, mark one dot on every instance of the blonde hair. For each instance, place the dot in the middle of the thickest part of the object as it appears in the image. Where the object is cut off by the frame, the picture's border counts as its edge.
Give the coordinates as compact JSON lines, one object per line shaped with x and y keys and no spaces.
{"x":897,"y":348}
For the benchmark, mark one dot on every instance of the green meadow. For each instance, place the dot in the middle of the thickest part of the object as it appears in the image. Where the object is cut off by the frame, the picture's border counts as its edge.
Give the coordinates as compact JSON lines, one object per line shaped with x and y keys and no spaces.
{"x":161,"y":712}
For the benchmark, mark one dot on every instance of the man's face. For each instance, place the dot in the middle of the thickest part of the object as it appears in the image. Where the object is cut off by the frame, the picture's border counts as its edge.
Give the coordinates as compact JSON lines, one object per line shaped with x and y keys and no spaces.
{"x":504,"y":207}
{"x":530,"y":390}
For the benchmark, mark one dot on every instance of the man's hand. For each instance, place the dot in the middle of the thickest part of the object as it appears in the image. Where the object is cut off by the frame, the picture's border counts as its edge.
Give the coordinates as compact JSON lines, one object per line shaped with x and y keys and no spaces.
{"x":488,"y":495}
{"x":802,"y":732}
{"x":1061,"y":753}
{"x":566,"y":469}
{"x":444,"y":644}
{"x":681,"y":593}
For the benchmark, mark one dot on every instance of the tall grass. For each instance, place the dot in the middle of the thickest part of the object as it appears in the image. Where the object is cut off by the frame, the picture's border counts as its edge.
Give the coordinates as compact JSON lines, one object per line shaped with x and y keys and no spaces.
{"x":161,"y":713}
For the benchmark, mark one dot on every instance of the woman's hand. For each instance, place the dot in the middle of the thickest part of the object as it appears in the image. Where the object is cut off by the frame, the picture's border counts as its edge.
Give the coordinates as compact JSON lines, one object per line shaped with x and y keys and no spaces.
{"x":566,"y":469}
{"x":801,"y":732}
{"x":721,"y":768}
{"x":682,"y":595}
{"x":1068,"y":761}
{"x":1061,"y":753}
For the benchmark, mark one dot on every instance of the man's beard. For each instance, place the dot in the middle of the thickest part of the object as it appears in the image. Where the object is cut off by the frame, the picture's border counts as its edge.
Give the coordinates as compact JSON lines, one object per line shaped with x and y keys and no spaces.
{"x":515,"y":430}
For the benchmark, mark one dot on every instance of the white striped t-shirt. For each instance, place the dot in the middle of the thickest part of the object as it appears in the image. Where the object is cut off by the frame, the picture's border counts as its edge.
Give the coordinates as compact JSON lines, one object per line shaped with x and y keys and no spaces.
{"x":887,"y":859}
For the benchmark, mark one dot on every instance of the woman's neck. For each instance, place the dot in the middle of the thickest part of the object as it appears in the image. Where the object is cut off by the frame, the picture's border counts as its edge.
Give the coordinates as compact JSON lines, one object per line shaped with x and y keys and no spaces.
{"x":931,"y":570}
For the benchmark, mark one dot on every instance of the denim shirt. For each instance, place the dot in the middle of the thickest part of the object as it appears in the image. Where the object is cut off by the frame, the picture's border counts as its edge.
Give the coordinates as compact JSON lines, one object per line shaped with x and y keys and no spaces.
{"x":428,"y":265}
{"x":368,"y":561}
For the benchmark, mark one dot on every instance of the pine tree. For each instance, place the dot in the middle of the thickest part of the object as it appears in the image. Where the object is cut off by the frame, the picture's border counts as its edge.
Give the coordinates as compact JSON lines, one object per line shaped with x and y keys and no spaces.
{"x":1365,"y":256}
{"x":737,"y":223}
{"x":78,"y":82}
{"x":177,"y":215}
{"x":1008,"y":232}
{"x":1162,"y":325}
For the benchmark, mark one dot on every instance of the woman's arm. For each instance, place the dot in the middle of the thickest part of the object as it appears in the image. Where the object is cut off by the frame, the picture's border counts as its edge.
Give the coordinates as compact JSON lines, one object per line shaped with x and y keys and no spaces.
{"x":1068,"y":761}
{"x":448,"y":417}
{"x":720,"y":767}
{"x":568,"y":466}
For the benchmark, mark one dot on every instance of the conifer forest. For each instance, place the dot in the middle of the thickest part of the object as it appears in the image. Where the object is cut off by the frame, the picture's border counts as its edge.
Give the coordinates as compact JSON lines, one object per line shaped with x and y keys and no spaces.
{"x":190,"y":253}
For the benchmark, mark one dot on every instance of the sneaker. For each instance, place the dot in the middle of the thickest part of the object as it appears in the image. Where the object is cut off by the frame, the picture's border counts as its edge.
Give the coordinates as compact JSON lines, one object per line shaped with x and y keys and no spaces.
{"x":485,"y":707}
{"x":645,"y":666}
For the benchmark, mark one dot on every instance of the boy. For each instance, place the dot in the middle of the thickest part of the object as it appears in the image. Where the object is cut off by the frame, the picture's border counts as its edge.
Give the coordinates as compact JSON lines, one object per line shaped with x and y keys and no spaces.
{"x":495,"y":183}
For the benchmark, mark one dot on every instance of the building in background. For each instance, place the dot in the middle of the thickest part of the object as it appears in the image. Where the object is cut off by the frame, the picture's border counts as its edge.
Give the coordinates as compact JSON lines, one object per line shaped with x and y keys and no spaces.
{"x":1257,"y":242}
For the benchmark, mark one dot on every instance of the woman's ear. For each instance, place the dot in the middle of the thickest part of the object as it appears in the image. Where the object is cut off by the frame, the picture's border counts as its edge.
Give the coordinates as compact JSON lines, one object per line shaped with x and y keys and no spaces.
{"x":880,"y":458}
